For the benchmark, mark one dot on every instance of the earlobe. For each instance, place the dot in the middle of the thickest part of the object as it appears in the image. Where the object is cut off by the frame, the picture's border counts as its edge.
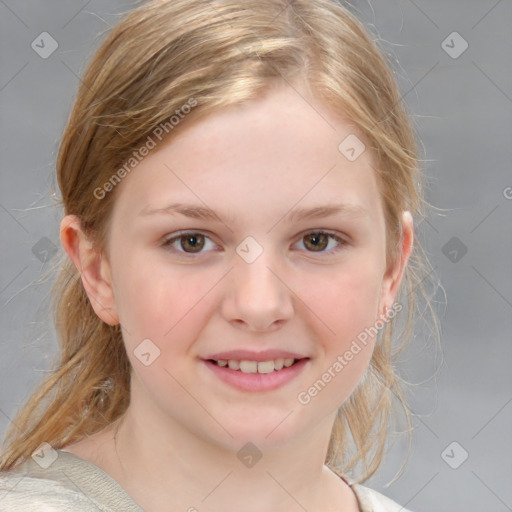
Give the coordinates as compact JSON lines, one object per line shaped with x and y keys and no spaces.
{"x":393,"y":278}
{"x":93,"y":267}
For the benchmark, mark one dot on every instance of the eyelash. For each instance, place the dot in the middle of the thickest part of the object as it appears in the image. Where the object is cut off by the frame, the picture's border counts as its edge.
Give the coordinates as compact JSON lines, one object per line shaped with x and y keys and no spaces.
{"x":170,"y":240}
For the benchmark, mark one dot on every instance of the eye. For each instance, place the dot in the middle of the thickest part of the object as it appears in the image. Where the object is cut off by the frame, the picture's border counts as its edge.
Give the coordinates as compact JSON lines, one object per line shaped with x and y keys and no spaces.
{"x":194,"y":242}
{"x":317,"y":241}
{"x":190,"y":243}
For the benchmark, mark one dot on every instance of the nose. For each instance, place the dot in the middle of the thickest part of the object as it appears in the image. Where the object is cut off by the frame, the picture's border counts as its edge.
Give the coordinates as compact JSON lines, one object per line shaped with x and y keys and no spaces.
{"x":258,"y":296}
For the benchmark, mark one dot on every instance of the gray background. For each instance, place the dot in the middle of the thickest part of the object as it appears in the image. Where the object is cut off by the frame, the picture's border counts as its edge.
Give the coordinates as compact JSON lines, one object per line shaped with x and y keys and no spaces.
{"x":462,"y":109}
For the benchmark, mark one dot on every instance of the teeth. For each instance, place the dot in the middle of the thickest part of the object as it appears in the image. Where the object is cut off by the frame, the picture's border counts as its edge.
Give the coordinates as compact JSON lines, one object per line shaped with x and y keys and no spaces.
{"x":256,"y":366}
{"x":234,"y":365}
{"x":266,"y":367}
{"x":249,"y":366}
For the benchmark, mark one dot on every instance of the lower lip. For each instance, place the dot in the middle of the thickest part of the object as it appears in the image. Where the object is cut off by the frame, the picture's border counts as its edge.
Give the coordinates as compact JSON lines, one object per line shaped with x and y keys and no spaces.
{"x":257,"y":381}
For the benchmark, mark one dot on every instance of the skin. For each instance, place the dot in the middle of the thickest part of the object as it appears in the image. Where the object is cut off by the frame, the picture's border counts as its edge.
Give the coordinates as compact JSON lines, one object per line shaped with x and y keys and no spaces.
{"x":176,"y":446}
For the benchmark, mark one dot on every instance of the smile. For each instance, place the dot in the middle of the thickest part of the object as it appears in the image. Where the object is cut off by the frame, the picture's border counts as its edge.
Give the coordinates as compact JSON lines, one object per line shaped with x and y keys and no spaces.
{"x":253,"y":376}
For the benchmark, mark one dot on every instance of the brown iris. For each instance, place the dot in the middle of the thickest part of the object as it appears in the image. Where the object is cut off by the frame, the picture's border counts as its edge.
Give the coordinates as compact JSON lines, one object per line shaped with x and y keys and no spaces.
{"x":320,"y":241}
{"x":191,"y":241}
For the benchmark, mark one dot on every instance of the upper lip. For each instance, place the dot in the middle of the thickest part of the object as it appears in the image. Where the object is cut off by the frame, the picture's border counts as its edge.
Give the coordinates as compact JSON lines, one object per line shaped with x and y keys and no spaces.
{"x":248,"y":355}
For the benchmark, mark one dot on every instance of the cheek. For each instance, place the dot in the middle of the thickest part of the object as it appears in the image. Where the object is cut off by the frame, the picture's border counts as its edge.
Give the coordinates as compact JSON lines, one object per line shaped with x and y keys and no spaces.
{"x":169,"y":308}
{"x":162,"y":303}
{"x":345,"y":301}
{"x":344,"y":307}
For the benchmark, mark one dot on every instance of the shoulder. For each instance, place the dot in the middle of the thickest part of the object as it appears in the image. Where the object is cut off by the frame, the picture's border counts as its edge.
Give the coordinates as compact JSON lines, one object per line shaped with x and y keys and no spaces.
{"x":20,"y":493}
{"x":62,"y":483}
{"x":369,"y":499}
{"x":373,"y":501}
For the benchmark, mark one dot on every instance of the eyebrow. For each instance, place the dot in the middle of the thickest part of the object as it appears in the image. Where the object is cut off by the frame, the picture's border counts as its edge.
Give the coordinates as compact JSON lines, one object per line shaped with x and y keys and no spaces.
{"x":297,"y":215}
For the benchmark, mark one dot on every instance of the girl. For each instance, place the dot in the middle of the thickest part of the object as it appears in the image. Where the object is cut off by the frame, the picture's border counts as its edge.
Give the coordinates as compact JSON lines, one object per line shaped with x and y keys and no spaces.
{"x":239,"y":181}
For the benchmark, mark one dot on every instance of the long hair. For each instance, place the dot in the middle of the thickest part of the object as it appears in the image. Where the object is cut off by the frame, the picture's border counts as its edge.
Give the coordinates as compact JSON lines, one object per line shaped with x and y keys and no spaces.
{"x":157,"y":59}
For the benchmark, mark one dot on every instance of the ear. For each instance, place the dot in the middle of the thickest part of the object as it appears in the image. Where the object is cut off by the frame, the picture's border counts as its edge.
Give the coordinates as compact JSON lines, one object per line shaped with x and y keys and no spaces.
{"x":93,"y":267}
{"x":393,"y":277}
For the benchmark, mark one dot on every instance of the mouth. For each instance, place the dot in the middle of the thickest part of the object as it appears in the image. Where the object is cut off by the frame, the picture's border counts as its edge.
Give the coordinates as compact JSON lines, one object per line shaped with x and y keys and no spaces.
{"x":256,"y":376}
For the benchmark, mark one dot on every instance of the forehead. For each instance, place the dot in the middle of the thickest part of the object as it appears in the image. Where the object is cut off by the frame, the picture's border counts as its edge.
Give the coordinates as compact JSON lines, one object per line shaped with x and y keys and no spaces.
{"x":264,"y":155}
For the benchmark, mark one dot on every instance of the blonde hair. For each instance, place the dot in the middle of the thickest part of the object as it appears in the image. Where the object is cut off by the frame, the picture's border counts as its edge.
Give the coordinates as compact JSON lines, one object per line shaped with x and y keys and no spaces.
{"x":220,"y":53}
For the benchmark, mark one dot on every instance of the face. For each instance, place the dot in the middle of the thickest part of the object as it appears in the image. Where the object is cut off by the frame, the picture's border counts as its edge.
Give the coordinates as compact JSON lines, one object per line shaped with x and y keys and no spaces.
{"x":258,"y":275}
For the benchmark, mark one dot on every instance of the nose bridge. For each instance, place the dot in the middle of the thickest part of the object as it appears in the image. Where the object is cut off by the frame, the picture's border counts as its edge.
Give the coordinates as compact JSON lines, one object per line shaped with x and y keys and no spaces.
{"x":255,"y":269}
{"x":259,"y":296}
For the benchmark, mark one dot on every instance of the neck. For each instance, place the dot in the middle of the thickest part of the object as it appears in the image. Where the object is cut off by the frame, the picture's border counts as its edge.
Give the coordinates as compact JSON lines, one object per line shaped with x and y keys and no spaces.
{"x":178,"y":471}
{"x":165,"y":466}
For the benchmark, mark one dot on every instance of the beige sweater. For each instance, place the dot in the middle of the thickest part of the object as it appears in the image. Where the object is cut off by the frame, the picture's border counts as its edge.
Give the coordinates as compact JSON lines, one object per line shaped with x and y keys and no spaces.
{"x":71,"y":484}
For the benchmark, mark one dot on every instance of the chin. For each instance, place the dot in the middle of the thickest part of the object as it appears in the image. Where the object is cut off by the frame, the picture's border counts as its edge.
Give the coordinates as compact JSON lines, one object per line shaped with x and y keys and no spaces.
{"x":264,"y":435}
